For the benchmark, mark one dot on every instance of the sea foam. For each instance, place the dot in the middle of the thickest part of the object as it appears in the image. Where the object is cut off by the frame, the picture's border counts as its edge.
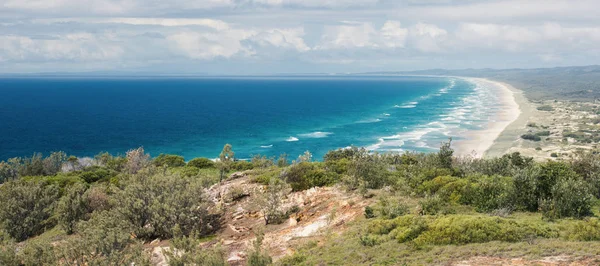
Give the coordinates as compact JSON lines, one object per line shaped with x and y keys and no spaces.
{"x":316,"y":135}
{"x":291,"y":139}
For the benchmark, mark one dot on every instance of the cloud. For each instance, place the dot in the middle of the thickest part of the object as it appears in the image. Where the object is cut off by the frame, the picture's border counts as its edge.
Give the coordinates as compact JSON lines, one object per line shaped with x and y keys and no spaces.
{"x":428,"y":38}
{"x":363,"y":35}
{"x":79,"y":47}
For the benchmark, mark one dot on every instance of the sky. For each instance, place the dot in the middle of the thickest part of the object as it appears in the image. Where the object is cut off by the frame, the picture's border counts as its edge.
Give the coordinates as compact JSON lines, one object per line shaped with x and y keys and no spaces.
{"x":294,"y":36}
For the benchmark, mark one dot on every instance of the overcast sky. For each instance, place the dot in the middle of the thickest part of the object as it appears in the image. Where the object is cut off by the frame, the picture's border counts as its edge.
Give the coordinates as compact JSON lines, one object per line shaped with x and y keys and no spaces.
{"x":294,"y":36}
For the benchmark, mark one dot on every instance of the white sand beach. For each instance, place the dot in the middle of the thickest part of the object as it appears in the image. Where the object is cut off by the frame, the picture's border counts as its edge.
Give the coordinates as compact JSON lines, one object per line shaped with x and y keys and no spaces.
{"x":478,"y":142}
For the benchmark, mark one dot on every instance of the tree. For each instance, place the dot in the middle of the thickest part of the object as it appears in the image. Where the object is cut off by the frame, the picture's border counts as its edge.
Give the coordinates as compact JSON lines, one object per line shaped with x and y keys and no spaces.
{"x":72,"y":207}
{"x":136,"y":160}
{"x":445,"y":154}
{"x":270,"y":201}
{"x":53,"y":163}
{"x":26,"y":207}
{"x":225,"y":159}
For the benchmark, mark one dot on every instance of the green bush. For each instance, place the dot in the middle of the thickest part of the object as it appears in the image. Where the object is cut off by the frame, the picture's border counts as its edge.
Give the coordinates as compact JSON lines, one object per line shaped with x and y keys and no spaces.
{"x":201,"y":163}
{"x":462,"y":229}
{"x":491,"y":193}
{"x":262,"y":161}
{"x":432,"y":205}
{"x":241,"y":166}
{"x":545,"y":108}
{"x":154,"y":204}
{"x":584,"y":230}
{"x":387,"y":207}
{"x":72,"y":207}
{"x":27,"y":208}
{"x":532,"y":137}
{"x":570,"y":198}
{"x":543,"y":133}
{"x":106,"y":239}
{"x":95,"y":174}
{"x":169,"y":160}
{"x":305,"y":175}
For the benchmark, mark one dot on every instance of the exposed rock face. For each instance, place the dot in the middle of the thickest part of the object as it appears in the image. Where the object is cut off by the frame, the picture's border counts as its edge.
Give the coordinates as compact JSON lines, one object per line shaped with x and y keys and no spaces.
{"x":320,"y":209}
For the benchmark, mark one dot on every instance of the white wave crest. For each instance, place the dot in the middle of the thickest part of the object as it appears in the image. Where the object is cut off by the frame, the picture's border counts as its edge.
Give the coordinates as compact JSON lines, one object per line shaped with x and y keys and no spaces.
{"x":267,"y":146}
{"x":290,"y":139}
{"x":316,"y":135}
{"x":369,"y":121}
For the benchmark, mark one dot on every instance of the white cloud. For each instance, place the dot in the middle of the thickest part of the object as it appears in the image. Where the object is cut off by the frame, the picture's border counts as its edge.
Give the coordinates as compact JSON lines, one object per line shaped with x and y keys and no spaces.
{"x":348,"y":36}
{"x":428,"y":37}
{"x":363,"y":35}
{"x":281,"y":38}
{"x":71,"y":47}
{"x":393,"y":34}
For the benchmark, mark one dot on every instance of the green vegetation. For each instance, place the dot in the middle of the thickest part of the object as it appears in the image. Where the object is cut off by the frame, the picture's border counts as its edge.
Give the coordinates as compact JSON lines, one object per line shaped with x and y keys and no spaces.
{"x":101,"y":213}
{"x":546,"y":108}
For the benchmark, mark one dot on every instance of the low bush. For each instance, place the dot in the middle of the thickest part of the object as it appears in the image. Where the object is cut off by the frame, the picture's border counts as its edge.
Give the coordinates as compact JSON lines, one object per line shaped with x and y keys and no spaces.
{"x":532,"y":137}
{"x":584,"y":230}
{"x":462,"y":229}
{"x":458,"y":229}
{"x":432,"y":205}
{"x":169,"y":160}
{"x":543,"y":133}
{"x":305,"y":175}
{"x":241,"y":166}
{"x":201,"y":163}
{"x":545,"y":108}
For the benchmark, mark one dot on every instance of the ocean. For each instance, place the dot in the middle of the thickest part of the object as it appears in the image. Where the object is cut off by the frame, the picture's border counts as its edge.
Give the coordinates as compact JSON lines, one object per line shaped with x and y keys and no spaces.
{"x":195,"y":117}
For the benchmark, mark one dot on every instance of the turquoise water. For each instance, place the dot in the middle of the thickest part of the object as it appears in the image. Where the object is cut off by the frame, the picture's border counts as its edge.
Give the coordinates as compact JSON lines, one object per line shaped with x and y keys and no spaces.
{"x":263,"y":115}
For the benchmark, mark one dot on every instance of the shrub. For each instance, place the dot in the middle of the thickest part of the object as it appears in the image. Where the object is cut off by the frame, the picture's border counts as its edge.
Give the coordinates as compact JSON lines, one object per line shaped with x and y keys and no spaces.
{"x":262,"y":161}
{"x":241,"y":166}
{"x":154,"y":204}
{"x":187,"y":252}
{"x":106,"y":239}
{"x":27,"y":208}
{"x":256,"y":256}
{"x":369,"y":170}
{"x":283,"y":160}
{"x":492,"y":193}
{"x":96,"y":174}
{"x":584,"y":230}
{"x":570,"y":198}
{"x":169,"y":160}
{"x":432,"y":205}
{"x":462,"y":229}
{"x":201,"y":163}
{"x":543,"y":133}
{"x":304,"y":175}
{"x":545,"y":108}
{"x":532,"y":137}
{"x":388,"y":207}
{"x":270,"y":201}
{"x":72,"y":207}
{"x":7,"y":172}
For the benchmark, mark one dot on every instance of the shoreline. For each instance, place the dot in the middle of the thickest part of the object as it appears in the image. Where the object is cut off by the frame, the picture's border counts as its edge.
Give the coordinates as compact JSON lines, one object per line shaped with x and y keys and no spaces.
{"x":503,"y":129}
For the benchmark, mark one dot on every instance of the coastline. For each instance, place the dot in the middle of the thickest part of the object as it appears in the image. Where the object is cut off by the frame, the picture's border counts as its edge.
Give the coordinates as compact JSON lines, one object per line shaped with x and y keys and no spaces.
{"x":504,"y":128}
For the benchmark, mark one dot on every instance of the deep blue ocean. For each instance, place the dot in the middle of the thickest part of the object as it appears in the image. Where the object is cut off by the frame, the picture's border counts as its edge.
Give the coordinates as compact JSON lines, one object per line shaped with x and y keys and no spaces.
{"x":195,"y":117}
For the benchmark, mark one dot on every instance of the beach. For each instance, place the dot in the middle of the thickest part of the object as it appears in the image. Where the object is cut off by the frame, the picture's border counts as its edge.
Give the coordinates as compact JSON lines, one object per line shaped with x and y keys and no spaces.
{"x":503,"y":129}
